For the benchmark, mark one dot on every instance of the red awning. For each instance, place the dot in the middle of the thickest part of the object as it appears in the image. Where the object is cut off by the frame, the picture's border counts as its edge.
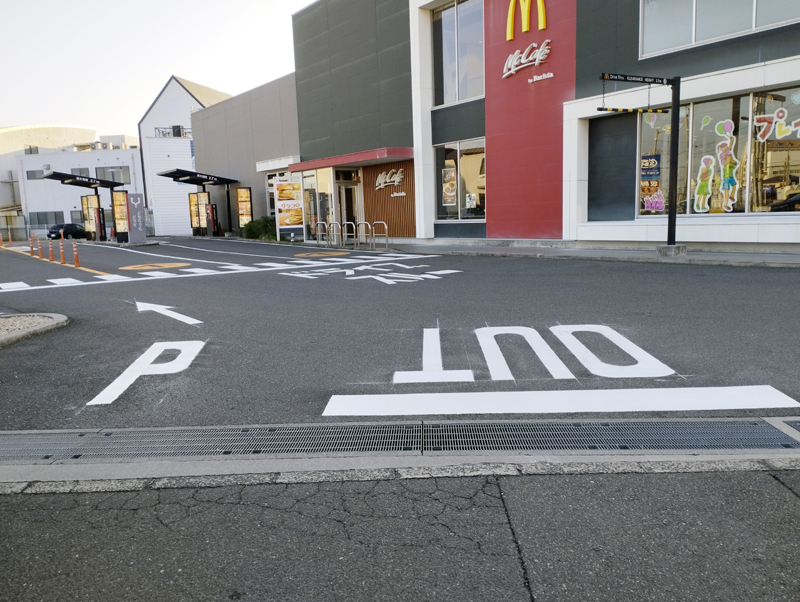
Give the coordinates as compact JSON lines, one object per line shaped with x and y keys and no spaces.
{"x":370,"y":157}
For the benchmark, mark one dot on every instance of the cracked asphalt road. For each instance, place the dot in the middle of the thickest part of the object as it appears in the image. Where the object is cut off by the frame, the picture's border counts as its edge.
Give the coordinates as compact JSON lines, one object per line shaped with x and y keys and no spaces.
{"x":725,"y":536}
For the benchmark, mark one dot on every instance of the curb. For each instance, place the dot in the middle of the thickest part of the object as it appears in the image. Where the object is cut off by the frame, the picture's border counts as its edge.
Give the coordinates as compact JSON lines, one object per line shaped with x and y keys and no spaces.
{"x":448,"y":469}
{"x":59,"y":320}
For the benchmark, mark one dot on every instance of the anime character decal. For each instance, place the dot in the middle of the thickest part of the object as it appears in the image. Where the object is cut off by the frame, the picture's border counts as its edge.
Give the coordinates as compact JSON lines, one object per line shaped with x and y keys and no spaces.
{"x":728,"y":165}
{"x":703,"y":190}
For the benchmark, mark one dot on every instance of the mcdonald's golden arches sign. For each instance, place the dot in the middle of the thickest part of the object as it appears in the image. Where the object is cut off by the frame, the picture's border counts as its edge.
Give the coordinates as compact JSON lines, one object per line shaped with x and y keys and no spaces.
{"x":525,"y":9}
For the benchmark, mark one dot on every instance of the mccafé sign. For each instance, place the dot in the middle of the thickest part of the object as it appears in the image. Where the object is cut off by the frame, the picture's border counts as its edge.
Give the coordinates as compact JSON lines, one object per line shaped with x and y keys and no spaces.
{"x":533,"y":55}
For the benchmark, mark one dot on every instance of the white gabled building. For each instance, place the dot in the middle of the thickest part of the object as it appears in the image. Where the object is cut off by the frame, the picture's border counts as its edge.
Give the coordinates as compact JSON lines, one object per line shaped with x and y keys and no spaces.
{"x":165,"y":133}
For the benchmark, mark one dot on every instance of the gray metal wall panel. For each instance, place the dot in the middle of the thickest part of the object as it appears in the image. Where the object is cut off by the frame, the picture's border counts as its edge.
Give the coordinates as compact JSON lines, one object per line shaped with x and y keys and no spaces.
{"x":353,"y":69}
{"x":462,"y":229}
{"x":612,"y":168}
{"x":608,"y":41}
{"x":460,"y":122}
{"x":231,"y":136}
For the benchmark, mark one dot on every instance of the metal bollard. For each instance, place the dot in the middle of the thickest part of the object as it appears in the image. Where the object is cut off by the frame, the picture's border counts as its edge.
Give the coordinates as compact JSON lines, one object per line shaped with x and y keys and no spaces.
{"x":61,"y":245}
{"x":50,"y":242}
{"x":39,"y":244}
{"x":75,"y":254}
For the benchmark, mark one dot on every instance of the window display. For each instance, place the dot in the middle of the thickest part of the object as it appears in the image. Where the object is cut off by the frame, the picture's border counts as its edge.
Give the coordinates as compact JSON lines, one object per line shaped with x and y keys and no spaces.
{"x":775,"y":177}
{"x":719,"y":156}
{"x":656,"y":139}
{"x":461,"y":186}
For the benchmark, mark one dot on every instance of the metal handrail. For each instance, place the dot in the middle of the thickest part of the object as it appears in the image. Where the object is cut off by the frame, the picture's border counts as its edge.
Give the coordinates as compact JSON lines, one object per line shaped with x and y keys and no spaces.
{"x":324,"y":225}
{"x":334,"y":233}
{"x":344,"y":232}
{"x":385,"y":233}
{"x":368,"y":239}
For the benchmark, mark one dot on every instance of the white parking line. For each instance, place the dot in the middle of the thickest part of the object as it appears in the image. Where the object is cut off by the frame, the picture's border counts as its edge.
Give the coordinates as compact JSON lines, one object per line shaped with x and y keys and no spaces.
{"x":560,"y":402}
{"x":201,"y":271}
{"x":113,"y":277}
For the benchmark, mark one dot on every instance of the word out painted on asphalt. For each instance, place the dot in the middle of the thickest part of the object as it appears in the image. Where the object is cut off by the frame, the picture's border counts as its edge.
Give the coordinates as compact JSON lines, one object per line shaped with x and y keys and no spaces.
{"x":544,"y":402}
{"x":386,"y":272}
{"x":187,"y":351}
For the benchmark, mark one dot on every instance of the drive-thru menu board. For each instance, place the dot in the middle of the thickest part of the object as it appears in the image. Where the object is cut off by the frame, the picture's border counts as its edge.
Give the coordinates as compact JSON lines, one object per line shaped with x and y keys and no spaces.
{"x":120,"y":211}
{"x":289,"y":203}
{"x":245,"y":206}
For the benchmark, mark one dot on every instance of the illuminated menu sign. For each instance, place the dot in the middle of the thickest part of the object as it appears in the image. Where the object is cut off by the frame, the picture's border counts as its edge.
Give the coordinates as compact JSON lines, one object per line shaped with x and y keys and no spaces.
{"x":245,"y":206}
{"x":120,"y":211}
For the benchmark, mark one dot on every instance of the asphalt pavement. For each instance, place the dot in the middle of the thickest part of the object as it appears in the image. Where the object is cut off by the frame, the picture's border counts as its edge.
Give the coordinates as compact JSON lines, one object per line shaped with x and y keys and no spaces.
{"x":192,"y":334}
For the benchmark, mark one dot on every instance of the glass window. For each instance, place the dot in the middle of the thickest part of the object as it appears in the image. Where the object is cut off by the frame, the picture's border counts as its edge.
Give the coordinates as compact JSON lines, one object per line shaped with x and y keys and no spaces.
{"x":80,"y":171}
{"x":472,"y":183}
{"x":674,"y":24}
{"x":719,"y":156}
{"x":470,"y":49}
{"x":769,"y":12}
{"x":34,"y":174}
{"x":775,"y":173}
{"x":119,"y":173}
{"x":666,"y":24}
{"x":717,"y":18}
{"x":458,"y":52}
{"x":461,"y":180}
{"x":447,"y":182}
{"x":445,"y":73}
{"x":656,"y":138}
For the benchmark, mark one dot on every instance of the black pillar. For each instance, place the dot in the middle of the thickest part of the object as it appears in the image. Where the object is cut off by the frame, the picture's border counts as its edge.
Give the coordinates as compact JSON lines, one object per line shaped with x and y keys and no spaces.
{"x":673,"y":159}
{"x":228,"y":196}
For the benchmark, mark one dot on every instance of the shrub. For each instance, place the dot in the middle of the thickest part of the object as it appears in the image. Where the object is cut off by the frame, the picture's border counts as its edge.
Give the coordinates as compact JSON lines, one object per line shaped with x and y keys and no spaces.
{"x":262,"y":228}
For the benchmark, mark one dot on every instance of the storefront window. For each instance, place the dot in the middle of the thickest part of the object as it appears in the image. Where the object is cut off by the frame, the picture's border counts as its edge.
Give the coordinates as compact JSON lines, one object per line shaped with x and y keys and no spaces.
{"x":717,"y":18}
{"x":655,"y":144}
{"x":769,"y":12}
{"x":310,"y":203}
{"x":458,"y":52}
{"x":719,"y":156}
{"x":461,"y":180}
{"x":775,"y":173}
{"x":666,"y":24}
{"x":674,"y":24}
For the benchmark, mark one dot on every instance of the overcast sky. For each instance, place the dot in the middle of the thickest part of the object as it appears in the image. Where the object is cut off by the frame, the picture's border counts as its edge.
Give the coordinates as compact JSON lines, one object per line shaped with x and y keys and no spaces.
{"x":101,"y":64}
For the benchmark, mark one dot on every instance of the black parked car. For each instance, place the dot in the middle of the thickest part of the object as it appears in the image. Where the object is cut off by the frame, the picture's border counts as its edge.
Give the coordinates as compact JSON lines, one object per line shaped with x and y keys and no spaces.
{"x":70,"y":231}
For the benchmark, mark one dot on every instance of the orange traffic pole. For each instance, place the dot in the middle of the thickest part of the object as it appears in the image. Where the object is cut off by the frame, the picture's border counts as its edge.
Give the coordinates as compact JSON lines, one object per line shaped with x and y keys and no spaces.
{"x":75,"y":254}
{"x":39,"y":244}
{"x":50,"y":243}
{"x":1,"y":240}
{"x":61,"y":245}
{"x":31,"y":242}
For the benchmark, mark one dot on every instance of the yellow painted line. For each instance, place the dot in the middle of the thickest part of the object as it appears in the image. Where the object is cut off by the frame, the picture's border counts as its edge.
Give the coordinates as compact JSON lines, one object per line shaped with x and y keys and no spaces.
{"x":154,"y":266}
{"x":322,"y":254}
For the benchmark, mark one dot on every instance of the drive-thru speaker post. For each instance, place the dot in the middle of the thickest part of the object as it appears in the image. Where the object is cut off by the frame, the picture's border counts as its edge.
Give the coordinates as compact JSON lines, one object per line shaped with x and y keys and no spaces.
{"x":187,"y":351}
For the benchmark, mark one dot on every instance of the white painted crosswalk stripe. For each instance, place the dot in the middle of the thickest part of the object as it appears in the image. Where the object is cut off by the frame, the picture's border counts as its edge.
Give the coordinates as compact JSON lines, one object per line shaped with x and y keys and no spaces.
{"x":65,"y":281}
{"x":200,"y":271}
{"x":156,"y":274}
{"x":8,"y":286}
{"x":113,"y":277}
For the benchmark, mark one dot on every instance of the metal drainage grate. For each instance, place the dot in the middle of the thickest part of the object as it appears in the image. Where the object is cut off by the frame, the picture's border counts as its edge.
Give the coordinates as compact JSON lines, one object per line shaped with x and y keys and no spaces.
{"x":175,"y":443}
{"x":49,"y":447}
{"x":604,"y":436}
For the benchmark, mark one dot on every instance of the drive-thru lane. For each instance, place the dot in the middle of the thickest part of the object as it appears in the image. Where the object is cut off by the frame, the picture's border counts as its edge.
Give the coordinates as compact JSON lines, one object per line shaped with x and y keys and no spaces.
{"x":434,"y":336}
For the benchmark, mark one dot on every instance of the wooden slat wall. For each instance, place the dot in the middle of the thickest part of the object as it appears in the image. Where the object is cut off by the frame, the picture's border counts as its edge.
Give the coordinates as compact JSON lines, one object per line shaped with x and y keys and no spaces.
{"x":381,"y":206}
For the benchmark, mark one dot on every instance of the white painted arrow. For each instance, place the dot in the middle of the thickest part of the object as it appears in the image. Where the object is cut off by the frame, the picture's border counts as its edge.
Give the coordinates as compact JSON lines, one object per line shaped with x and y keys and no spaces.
{"x":165,"y":310}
